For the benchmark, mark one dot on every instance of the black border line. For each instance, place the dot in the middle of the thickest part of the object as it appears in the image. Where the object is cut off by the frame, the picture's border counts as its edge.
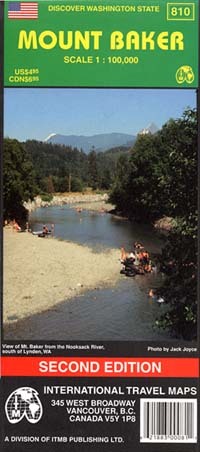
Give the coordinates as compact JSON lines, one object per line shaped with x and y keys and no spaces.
{"x":1,"y":158}
{"x":190,"y":88}
{"x":198,"y":235}
{"x":1,"y":192}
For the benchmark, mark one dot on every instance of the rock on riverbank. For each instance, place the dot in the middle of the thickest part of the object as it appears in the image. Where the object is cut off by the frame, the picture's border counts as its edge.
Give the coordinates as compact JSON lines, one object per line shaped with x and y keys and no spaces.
{"x":165,"y":224}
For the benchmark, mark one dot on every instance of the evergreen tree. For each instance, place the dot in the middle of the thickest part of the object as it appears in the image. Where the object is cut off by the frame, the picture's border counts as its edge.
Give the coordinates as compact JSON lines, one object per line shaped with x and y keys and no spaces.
{"x":18,"y":180}
{"x":92,"y":170}
{"x":50,"y":185}
{"x":119,"y":194}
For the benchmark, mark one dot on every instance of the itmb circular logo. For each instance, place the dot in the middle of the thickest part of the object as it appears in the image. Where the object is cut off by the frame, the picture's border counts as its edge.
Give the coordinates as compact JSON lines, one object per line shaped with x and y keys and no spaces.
{"x":185,"y":74}
{"x":23,"y":402}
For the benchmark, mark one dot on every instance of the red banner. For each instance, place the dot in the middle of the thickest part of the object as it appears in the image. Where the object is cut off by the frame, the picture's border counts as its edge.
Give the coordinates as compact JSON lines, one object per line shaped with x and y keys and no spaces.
{"x":101,"y":367}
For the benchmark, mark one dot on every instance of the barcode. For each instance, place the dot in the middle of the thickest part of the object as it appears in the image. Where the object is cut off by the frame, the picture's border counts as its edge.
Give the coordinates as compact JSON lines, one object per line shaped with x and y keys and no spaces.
{"x":168,"y":420}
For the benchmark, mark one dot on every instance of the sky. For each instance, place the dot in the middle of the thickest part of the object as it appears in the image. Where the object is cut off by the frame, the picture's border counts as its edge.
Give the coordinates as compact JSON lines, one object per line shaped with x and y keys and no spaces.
{"x":35,"y":113}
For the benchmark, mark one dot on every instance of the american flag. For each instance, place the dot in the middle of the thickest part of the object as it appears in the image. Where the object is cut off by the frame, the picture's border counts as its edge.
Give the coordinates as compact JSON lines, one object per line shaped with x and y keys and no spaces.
{"x":22,"y":10}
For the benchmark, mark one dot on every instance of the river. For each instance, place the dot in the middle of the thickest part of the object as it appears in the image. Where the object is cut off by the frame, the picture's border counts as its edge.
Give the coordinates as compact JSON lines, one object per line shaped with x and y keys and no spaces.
{"x":94,"y":229}
{"x":121,"y":312}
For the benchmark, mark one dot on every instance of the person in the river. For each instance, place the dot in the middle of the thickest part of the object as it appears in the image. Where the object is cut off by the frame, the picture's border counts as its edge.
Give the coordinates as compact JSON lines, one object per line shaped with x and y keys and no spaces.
{"x":148,"y":267}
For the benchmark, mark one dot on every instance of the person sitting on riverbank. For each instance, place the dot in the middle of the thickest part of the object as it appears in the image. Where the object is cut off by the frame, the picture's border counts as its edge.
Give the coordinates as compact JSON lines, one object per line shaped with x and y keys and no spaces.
{"x":123,"y":254}
{"x":45,"y":229}
{"x":145,"y":257}
{"x":132,"y":256}
{"x":145,"y":261}
{"x":16,"y":226}
{"x":136,"y":262}
{"x":8,"y":224}
{"x":138,"y":246}
{"x":27,"y":229}
{"x":140,"y":256}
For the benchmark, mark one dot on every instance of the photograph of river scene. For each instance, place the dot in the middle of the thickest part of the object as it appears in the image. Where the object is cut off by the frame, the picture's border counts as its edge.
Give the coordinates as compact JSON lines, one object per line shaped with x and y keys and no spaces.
{"x":100,"y":214}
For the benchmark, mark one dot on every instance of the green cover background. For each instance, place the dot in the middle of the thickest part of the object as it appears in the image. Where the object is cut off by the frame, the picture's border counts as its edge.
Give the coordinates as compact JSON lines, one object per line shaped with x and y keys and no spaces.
{"x":155,"y":68}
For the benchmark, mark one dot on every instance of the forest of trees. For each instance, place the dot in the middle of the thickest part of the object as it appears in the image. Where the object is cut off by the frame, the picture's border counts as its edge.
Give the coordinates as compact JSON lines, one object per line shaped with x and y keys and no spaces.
{"x":62,"y":168}
{"x":35,"y":167}
{"x":156,"y":178}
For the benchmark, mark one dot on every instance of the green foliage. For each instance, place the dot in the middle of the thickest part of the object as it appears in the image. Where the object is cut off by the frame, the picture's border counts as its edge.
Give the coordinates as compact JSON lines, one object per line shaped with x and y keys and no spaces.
{"x":179,"y":182}
{"x":54,"y":164}
{"x":50,"y":185}
{"x":106,"y":165}
{"x":180,"y":286}
{"x":18,"y":180}
{"x":158,"y":179}
{"x":76,"y":184}
{"x":92,"y":170}
{"x":46,"y":197}
{"x":120,"y":194}
{"x":180,"y":252}
{"x":135,"y":191}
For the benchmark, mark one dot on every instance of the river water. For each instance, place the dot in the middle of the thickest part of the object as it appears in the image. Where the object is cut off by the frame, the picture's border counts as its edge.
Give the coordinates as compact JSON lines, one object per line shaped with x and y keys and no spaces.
{"x":121,"y":312}
{"x":94,"y":229}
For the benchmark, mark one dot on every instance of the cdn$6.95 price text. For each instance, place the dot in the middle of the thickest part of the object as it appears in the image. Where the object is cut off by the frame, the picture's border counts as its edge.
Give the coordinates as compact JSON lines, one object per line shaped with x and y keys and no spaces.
{"x":89,"y":59}
{"x":85,"y":410}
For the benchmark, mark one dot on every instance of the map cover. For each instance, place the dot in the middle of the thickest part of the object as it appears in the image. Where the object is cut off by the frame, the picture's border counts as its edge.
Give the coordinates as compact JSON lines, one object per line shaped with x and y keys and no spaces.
{"x":99,"y":225}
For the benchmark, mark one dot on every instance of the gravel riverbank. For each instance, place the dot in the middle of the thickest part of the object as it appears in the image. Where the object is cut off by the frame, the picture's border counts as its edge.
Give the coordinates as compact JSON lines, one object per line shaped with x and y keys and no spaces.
{"x":67,"y":198}
{"x":41,"y":272}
